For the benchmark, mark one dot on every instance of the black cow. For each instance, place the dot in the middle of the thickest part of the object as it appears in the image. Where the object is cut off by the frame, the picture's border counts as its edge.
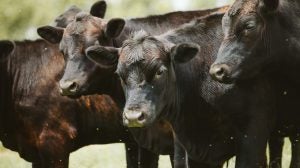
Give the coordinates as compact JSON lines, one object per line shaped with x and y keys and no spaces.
{"x":155,"y":79}
{"x":261,"y":39}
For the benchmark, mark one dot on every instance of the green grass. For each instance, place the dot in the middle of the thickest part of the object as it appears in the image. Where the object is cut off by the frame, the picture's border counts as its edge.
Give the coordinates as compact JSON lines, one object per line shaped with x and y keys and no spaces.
{"x":108,"y":156}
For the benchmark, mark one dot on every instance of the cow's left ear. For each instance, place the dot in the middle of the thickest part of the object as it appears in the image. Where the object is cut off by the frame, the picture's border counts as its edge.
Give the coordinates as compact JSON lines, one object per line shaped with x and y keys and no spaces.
{"x":51,"y":34}
{"x":98,"y":9}
{"x":105,"y":57}
{"x":6,"y":47}
{"x":182,"y":53}
{"x":269,"y":5}
{"x":114,"y":27}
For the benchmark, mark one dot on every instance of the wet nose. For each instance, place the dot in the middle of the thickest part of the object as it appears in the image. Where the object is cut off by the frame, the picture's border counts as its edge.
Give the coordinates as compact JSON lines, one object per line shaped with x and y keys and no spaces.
{"x":219,"y":71}
{"x":68,"y":88}
{"x":134,"y":118}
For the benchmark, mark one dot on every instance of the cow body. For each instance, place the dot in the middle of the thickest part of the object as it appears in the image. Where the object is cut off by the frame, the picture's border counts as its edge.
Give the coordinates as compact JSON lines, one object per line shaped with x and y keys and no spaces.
{"x":40,"y":124}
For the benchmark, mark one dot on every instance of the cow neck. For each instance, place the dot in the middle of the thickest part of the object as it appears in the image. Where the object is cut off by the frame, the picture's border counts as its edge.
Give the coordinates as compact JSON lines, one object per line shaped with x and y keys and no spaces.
{"x":7,"y":115}
{"x":114,"y":89}
{"x":6,"y":84}
{"x":284,"y":47}
{"x":289,"y":17}
{"x":189,"y":112}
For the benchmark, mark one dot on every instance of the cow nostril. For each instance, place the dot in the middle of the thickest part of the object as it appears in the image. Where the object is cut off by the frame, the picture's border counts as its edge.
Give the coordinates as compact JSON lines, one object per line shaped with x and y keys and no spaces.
{"x":73,"y":87}
{"x":220,"y":71}
{"x":141,"y":117}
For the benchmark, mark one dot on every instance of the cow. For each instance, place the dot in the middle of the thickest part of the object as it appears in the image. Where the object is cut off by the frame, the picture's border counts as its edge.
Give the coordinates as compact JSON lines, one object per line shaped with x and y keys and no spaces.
{"x":38,"y":123}
{"x":157,"y":76}
{"x":261,"y":39}
{"x":111,"y":84}
{"x":152,"y":94}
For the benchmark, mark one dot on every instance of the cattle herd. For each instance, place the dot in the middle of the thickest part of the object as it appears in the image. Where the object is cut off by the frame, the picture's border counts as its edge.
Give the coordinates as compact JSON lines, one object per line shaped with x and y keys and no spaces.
{"x":200,"y":86}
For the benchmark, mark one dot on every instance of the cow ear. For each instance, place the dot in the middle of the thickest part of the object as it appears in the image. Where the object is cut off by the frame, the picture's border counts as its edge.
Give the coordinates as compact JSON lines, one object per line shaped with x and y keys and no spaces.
{"x":6,"y":47}
{"x":269,"y":5}
{"x":98,"y":9}
{"x":105,"y":57}
{"x":182,"y":53}
{"x":51,"y":34}
{"x":114,"y":27}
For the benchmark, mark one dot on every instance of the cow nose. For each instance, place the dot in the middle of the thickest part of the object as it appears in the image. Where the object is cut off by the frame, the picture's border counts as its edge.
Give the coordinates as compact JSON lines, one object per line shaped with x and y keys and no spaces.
{"x":219,"y":71}
{"x":134,"y":118}
{"x":68,"y":88}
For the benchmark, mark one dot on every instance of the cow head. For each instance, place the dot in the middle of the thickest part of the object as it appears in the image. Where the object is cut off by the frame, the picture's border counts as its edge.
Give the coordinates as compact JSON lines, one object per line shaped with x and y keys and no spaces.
{"x":98,"y":9}
{"x":146,"y":70}
{"x":82,"y":75}
{"x":250,"y":28}
{"x":67,"y":17}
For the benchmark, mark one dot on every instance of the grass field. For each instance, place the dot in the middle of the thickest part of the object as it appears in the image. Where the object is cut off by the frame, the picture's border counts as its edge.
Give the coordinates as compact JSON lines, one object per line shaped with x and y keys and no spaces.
{"x":106,"y":156}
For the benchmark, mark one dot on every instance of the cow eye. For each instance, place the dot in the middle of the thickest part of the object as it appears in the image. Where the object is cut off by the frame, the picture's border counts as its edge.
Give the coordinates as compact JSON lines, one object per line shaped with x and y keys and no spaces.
{"x":250,"y":25}
{"x":160,"y":72}
{"x":248,"y":28}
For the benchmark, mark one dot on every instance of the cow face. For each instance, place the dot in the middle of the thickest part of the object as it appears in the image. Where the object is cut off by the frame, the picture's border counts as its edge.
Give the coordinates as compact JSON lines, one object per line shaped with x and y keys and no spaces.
{"x":246,"y":46}
{"x":81,"y":75}
{"x":146,"y":70}
{"x":6,"y":47}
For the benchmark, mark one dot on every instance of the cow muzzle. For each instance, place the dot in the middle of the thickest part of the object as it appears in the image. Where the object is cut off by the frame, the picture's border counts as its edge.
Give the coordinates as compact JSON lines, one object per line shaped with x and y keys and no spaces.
{"x":220,"y":72}
{"x":134,"y":118}
{"x":68,"y":88}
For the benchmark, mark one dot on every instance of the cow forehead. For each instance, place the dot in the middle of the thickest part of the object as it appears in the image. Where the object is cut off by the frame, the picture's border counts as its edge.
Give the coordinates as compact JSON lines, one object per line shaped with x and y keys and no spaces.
{"x":242,"y":7}
{"x":143,"y":54}
{"x":88,"y":24}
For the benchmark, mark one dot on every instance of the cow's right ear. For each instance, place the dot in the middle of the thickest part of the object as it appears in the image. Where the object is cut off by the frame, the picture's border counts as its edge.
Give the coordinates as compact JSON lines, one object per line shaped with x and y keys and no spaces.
{"x":98,"y":9}
{"x":6,"y":47}
{"x":51,"y":34}
{"x":105,"y":57}
{"x":184,"y":52}
{"x":114,"y":27}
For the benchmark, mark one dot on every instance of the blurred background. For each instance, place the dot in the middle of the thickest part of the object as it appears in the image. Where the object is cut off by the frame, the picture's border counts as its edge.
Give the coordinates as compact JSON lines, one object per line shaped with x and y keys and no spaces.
{"x":19,"y":20}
